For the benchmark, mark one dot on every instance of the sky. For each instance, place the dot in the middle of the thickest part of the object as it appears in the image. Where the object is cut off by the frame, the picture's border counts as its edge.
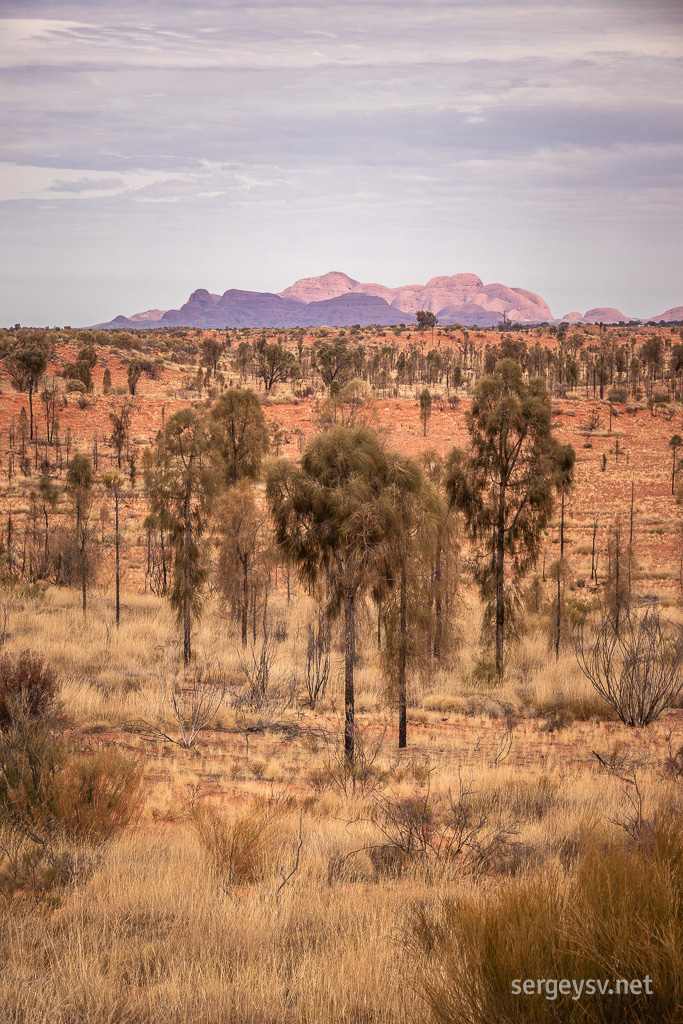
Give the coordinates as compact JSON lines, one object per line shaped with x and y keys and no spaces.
{"x":155,"y":147}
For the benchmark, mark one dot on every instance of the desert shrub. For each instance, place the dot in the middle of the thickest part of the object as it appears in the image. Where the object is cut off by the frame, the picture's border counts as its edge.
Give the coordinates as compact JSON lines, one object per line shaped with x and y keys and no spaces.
{"x":350,"y":778}
{"x":438,"y":832}
{"x":26,"y":683}
{"x":50,"y":792}
{"x":77,"y":387}
{"x":617,"y":913}
{"x":633,"y":662}
{"x":244,"y":849}
{"x":93,"y":796}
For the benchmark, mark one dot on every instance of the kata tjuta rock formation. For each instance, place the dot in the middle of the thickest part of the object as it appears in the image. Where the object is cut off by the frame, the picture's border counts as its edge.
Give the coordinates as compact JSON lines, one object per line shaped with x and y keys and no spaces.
{"x":335,"y":299}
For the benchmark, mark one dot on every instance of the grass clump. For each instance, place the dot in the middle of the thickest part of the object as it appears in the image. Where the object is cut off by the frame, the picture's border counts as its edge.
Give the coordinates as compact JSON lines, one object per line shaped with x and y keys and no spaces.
{"x":615,"y":913}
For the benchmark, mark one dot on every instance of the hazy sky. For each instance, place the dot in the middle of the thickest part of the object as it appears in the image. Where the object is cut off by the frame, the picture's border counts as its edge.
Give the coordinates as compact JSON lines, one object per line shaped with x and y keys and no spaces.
{"x":157,"y":146}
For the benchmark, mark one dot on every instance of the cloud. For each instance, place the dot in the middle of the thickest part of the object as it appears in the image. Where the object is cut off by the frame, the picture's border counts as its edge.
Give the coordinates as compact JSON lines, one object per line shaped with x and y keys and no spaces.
{"x":469,"y":120}
{"x":87,"y":185}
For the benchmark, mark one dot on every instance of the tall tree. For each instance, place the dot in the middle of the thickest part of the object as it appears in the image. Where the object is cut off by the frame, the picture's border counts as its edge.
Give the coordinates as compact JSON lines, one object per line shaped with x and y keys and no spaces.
{"x":25,"y":367}
{"x":241,"y":527}
{"x":114,"y":483}
{"x":79,"y":483}
{"x":243,"y":433}
{"x":566,"y":458}
{"x":336,"y":515}
{"x":181,"y":484}
{"x":504,"y":486}
{"x":675,"y":443}
{"x":425,"y":408}
{"x":426,"y":319}
{"x":120,"y":430}
{"x":407,"y":571}
{"x":276,"y":366}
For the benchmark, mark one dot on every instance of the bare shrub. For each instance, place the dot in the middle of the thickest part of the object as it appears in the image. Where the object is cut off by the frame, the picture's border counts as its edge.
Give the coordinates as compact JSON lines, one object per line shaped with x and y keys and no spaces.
{"x":195,"y":698}
{"x":267,"y":687}
{"x":450,"y":831}
{"x":317,"y":659}
{"x":633,"y":662}
{"x":26,"y":683}
{"x":360,"y":776}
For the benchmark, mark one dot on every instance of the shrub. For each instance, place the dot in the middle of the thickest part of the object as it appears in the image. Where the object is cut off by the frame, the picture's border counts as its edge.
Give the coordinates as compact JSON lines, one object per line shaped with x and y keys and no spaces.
{"x":633,"y":662}
{"x":26,"y":683}
{"x":617,"y":913}
{"x":50,"y":792}
{"x":242,"y":850}
{"x":93,"y":796}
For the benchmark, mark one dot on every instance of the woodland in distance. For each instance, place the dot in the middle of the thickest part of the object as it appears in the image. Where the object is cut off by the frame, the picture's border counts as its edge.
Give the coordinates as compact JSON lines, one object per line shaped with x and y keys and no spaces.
{"x":341,"y":674}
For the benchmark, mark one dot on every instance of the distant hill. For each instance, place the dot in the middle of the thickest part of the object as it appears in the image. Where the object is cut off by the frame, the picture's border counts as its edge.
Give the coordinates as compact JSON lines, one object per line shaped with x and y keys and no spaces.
{"x":335,"y":299}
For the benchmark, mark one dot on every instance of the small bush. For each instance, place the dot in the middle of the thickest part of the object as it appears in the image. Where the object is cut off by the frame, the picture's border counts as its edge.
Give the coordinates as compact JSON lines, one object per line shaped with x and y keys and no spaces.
{"x":616,"y":913}
{"x":26,"y":683}
{"x":242,"y":850}
{"x":634,"y":662}
{"x":49,"y":791}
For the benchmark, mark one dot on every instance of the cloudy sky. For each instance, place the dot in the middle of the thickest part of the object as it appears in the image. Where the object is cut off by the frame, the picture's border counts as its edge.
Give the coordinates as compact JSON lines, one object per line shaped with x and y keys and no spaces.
{"x":154,"y":147}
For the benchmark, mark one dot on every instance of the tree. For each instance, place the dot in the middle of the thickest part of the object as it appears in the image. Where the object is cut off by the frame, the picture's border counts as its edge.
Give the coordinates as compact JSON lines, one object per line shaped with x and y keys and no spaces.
{"x":407,"y":571}
{"x":79,"y":483}
{"x":504,"y":487}
{"x":425,"y":408}
{"x":674,"y":444}
{"x":335,"y":515}
{"x":134,"y":374}
{"x":244,"y":433}
{"x":120,"y":430}
{"x":566,"y":458}
{"x":240,"y":525}
{"x":48,"y":495}
{"x":276,"y":366}
{"x":212,"y":350}
{"x":25,"y":368}
{"x":426,"y":320}
{"x":333,"y":363}
{"x":181,"y":485}
{"x":114,"y":484}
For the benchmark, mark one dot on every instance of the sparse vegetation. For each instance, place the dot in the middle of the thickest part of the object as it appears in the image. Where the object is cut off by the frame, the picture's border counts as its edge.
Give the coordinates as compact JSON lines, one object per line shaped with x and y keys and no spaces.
{"x":186,"y":838}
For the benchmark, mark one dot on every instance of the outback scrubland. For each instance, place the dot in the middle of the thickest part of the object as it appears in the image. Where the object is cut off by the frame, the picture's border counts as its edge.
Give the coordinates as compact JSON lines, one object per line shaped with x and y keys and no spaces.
{"x":195,"y":823}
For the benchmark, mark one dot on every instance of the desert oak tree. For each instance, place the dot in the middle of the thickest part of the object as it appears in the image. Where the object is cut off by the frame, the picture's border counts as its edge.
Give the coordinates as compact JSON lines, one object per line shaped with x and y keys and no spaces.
{"x":504,"y":486}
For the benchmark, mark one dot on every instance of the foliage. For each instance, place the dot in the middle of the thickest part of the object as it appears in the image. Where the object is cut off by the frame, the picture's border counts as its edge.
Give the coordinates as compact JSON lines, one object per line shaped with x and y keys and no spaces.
{"x":335,"y":515}
{"x":243,"y":433}
{"x":618,"y":913}
{"x":504,"y":487}
{"x":181,"y":485}
{"x":27,"y":686}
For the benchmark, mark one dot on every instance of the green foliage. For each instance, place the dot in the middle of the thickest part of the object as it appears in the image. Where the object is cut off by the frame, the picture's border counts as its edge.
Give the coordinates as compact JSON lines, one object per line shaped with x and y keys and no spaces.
{"x":504,"y":486}
{"x":182,"y":482}
{"x":243,"y":436}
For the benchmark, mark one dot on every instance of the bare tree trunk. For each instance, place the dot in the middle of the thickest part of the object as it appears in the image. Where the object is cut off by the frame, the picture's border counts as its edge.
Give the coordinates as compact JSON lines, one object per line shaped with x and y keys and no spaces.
{"x":500,"y":581}
{"x":438,"y":612}
{"x":187,"y":609}
{"x":349,"y":657}
{"x":402,"y":689}
{"x":559,"y":583}
{"x":245,"y":596}
{"x":118,"y":571}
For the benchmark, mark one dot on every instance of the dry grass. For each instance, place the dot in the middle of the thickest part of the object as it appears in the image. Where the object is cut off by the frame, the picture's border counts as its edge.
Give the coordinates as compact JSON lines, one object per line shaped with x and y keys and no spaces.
{"x":187,"y":917}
